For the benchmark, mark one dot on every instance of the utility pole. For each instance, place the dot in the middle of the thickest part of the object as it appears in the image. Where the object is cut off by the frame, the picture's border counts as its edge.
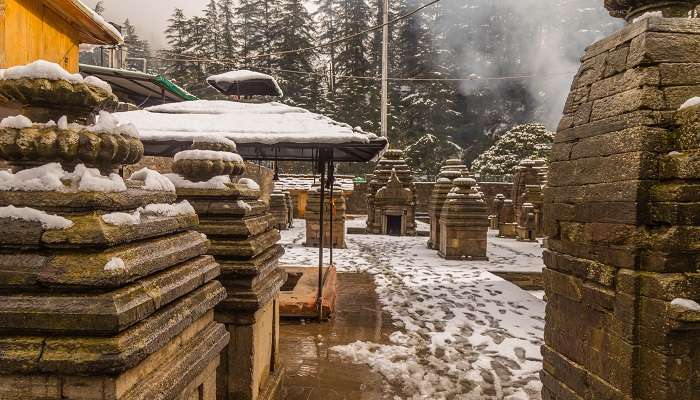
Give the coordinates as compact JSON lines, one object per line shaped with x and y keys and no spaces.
{"x":385,"y":72}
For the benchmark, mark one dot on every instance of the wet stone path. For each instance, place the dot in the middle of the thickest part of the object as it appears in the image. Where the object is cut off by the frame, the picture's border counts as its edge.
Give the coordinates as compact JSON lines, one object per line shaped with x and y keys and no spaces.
{"x":456,"y":331}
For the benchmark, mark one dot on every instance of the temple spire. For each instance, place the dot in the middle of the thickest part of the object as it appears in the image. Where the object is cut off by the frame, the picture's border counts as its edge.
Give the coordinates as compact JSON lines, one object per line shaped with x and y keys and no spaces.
{"x":631,"y":9}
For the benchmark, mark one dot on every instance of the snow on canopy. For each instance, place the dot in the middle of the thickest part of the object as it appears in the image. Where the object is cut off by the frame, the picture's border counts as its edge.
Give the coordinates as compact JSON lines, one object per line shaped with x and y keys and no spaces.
{"x":224,"y":82}
{"x":264,"y":123}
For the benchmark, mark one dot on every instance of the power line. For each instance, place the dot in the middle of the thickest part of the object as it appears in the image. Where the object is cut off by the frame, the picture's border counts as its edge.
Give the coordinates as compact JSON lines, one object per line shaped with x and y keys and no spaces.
{"x":336,"y":41}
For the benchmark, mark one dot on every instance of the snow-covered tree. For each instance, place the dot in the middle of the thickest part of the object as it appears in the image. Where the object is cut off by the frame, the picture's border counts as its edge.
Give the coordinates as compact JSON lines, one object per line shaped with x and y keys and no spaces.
{"x":426,"y":155}
{"x":228,"y":29}
{"x":528,"y":141}
{"x":294,"y":29}
{"x":100,"y":7}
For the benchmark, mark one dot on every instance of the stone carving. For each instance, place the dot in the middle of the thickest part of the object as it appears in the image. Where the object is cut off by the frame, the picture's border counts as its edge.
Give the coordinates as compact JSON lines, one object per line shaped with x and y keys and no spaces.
{"x":621,"y":217}
{"x":506,"y":220}
{"x":279,"y":207}
{"x":106,"y":291}
{"x":631,"y":9}
{"x":464,"y":223}
{"x":244,"y":241}
{"x":397,"y":218}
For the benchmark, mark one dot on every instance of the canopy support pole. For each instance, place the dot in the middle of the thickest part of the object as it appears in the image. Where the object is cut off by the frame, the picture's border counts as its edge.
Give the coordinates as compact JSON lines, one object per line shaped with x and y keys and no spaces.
{"x":331,"y":184}
{"x":319,"y":300}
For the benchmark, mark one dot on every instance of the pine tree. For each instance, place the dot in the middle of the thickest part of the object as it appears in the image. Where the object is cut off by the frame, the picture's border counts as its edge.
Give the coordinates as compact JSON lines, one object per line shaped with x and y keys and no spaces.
{"x":294,"y":30}
{"x":100,"y":7}
{"x":528,"y":141}
{"x":136,"y":47}
{"x":228,"y":28}
{"x":177,"y":34}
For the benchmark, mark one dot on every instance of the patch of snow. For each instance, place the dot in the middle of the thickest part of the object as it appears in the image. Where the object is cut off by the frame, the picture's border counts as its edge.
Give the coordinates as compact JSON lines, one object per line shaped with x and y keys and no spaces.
{"x":42,"y":69}
{"x":686,"y":304}
{"x":266,"y":123}
{"x":675,"y":153}
{"x":241,"y":76}
{"x":690,"y":102}
{"x":215,"y":139}
{"x":648,"y":14}
{"x":153,"y":180}
{"x":62,"y":123}
{"x":249,"y":183}
{"x":107,"y":123}
{"x":207,"y":155}
{"x":95,"y":81}
{"x":53,"y":178}
{"x":47,"y":221}
{"x":217,"y":182}
{"x":242,"y":204}
{"x":116,"y":264}
{"x":183,"y":208}
{"x":16,"y":122}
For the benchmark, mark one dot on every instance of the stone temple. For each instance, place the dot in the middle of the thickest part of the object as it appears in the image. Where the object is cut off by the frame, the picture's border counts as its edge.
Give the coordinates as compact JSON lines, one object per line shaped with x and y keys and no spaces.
{"x":464,"y":223}
{"x":451,"y":170}
{"x":621,"y":214}
{"x":105,"y":287}
{"x":395,"y":213}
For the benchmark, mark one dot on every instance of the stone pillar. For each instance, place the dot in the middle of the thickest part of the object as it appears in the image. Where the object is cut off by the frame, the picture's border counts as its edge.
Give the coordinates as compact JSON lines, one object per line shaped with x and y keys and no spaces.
{"x":313,"y":218}
{"x":622,"y":219}
{"x":530,"y":227}
{"x":452,"y":169}
{"x":279,"y":209}
{"x":392,"y":162}
{"x":244,"y":241}
{"x":464,"y":223}
{"x":290,"y":209}
{"x":105,"y":291}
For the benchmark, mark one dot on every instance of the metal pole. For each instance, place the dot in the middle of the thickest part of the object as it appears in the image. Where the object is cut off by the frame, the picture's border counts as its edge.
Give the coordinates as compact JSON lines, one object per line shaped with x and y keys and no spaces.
{"x":319,"y":300}
{"x":331,"y":184}
{"x":385,"y":72}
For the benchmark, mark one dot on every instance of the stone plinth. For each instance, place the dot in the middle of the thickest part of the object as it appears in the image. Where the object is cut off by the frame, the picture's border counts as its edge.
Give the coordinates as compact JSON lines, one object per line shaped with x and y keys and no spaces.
{"x":464,"y":223}
{"x":452,"y":170}
{"x":279,"y":209}
{"x":313,"y":218}
{"x":395,"y":214}
{"x":621,"y":215}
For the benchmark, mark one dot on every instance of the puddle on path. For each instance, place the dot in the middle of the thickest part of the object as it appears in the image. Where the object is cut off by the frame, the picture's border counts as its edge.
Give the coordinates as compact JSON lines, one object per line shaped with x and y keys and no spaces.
{"x":313,"y":372}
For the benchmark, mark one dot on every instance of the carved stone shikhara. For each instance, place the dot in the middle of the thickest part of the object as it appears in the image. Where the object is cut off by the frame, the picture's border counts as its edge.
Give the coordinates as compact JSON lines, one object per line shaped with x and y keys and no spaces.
{"x":464,"y":223}
{"x":244,"y":240}
{"x":452,"y":170}
{"x":117,"y":301}
{"x":631,"y":9}
{"x":621,"y":216}
{"x":397,"y":215}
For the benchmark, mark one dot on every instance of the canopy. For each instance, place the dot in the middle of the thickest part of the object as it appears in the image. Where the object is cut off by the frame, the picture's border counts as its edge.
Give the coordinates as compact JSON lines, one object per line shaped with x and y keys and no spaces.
{"x":262,"y":131}
{"x":137,"y":87}
{"x":245,"y":83}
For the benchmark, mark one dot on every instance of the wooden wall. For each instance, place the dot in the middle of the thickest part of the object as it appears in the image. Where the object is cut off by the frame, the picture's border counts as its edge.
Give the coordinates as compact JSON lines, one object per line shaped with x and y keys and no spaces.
{"x":30,"y":31}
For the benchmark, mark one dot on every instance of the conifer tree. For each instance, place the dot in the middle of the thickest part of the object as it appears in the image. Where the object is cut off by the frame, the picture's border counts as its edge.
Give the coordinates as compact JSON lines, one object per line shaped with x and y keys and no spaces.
{"x":100,"y":7}
{"x":227,"y":19}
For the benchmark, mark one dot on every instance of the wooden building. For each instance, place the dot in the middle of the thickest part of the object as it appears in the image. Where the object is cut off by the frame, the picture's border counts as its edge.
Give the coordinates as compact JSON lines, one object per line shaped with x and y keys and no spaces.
{"x":50,"y":30}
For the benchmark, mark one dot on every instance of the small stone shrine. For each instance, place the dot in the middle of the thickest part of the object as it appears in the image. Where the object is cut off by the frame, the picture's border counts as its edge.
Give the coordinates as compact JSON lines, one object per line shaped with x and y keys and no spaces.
{"x":531,"y":224}
{"x":528,"y":172}
{"x":621,"y":215}
{"x":395,"y":214}
{"x":336,"y":208}
{"x":290,"y":208}
{"x":106,"y":291}
{"x":279,"y":208}
{"x":244,"y":241}
{"x":464,"y":223}
{"x":452,"y":170}
{"x":495,"y":219}
{"x":506,"y":220}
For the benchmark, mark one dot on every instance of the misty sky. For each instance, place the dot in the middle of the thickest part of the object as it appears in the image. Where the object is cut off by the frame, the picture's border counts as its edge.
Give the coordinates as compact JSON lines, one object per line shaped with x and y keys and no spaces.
{"x":149,"y":16}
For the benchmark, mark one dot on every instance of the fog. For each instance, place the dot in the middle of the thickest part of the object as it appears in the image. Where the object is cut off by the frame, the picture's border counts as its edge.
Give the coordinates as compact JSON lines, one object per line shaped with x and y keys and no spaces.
{"x":149,"y":16}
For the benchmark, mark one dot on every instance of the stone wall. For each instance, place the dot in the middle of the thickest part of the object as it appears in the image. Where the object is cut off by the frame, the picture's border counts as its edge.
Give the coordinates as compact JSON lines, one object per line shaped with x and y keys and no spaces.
{"x":623,"y":219}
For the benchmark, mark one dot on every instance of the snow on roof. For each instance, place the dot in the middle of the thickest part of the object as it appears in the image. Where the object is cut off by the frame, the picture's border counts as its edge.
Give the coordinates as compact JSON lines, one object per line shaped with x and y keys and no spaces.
{"x":264,"y":123}
{"x":240,"y":76}
{"x":101,"y":22}
{"x":305,"y":182}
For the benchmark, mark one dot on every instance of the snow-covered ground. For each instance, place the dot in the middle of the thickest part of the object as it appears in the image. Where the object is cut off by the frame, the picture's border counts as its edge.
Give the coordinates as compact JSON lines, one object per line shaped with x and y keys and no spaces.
{"x":461,"y":332}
